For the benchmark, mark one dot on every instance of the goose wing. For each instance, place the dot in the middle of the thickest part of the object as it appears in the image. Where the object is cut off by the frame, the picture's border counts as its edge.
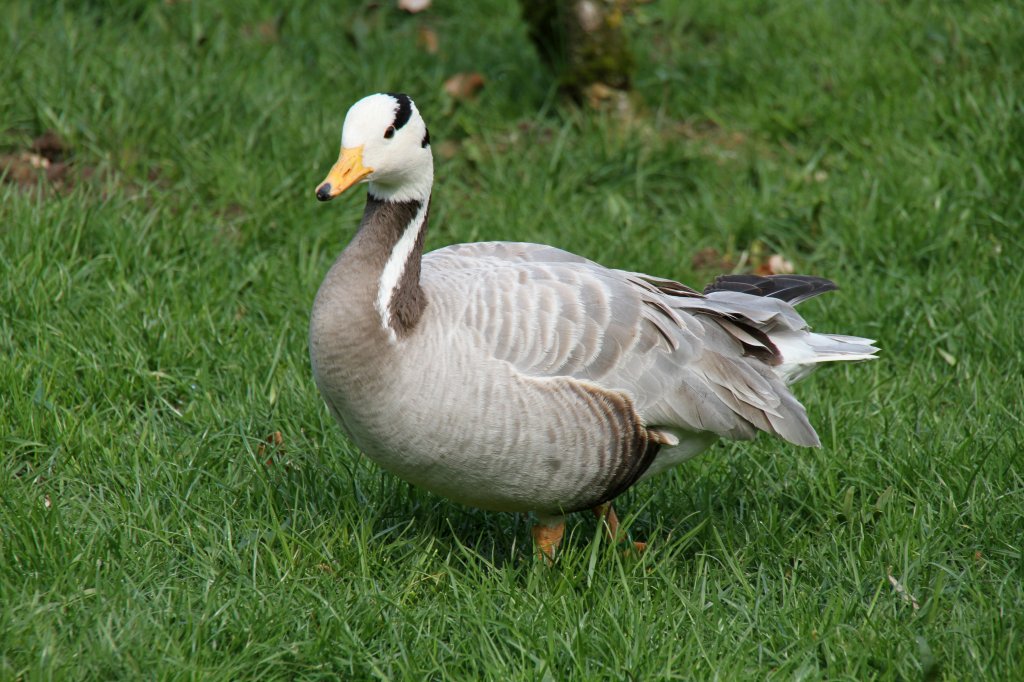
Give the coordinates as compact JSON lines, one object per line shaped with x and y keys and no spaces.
{"x":684,"y":361}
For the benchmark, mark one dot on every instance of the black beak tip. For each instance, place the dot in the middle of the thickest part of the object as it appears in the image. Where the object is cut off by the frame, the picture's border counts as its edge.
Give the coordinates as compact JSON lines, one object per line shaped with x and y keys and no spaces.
{"x":323,"y":192}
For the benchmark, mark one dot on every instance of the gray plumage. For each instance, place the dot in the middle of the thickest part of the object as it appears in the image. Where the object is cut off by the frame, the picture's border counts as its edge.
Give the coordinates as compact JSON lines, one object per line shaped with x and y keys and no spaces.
{"x":521,"y":377}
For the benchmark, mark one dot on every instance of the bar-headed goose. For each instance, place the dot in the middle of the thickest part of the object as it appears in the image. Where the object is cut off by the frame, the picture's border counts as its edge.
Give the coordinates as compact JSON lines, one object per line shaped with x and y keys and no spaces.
{"x":520,"y":377}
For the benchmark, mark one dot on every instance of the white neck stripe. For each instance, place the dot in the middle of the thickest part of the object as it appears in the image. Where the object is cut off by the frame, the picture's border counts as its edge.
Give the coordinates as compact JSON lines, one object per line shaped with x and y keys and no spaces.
{"x":395,"y":267}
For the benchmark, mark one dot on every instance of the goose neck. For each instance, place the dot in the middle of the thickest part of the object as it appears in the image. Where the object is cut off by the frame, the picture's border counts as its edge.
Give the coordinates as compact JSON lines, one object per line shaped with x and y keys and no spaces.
{"x":390,"y":239}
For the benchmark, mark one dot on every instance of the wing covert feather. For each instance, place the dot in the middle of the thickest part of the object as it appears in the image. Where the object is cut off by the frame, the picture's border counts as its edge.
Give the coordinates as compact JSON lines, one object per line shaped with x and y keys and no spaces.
{"x":682,"y":358}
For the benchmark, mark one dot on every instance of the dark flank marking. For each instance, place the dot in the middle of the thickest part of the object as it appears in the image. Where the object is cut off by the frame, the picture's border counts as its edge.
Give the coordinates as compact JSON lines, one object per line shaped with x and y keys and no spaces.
{"x":633,"y":448}
{"x":426,"y":138}
{"x":790,"y":288}
{"x":632,"y":465}
{"x":404,"y":111}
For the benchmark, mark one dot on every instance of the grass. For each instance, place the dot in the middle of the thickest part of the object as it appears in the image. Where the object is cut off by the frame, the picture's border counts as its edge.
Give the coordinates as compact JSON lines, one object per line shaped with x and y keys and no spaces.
{"x":153,"y":323}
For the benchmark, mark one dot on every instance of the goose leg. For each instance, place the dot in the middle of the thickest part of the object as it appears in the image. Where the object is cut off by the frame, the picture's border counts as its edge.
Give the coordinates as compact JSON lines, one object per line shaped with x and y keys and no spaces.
{"x":547,"y":534}
{"x":606,"y":513}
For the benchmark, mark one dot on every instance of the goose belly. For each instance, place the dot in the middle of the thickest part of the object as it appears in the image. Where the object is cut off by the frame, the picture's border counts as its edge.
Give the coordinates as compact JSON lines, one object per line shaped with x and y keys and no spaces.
{"x":479,"y":433}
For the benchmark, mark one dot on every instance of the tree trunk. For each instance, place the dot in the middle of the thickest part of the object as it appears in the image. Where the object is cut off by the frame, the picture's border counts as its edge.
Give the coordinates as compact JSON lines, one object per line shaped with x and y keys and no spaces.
{"x":583,"y":42}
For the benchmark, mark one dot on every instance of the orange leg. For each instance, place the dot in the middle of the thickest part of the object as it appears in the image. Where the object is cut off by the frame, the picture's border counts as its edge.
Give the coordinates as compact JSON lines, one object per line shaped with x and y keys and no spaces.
{"x":607,"y":514}
{"x":546,"y":536}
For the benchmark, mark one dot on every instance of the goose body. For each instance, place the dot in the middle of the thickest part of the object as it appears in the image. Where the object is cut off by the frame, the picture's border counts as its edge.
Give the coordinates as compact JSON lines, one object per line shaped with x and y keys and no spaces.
{"x":520,"y":377}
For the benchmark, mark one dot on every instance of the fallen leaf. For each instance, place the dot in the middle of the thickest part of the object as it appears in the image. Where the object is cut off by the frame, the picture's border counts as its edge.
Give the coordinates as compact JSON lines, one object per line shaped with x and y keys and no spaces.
{"x":274,"y":440}
{"x":34,"y":160}
{"x":46,"y":157}
{"x":23,"y":169}
{"x":775,"y":265}
{"x":603,"y":97}
{"x":464,"y":86}
{"x":413,"y":6}
{"x":426,"y":38}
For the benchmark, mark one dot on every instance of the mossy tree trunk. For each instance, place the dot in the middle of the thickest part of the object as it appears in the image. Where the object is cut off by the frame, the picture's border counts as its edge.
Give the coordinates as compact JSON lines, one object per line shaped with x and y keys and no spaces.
{"x":583,"y":41}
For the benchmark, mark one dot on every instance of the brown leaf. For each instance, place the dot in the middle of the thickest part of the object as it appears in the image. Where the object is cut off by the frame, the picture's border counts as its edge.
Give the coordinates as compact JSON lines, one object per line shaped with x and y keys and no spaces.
{"x":464,"y":86}
{"x":601,"y":97}
{"x":413,"y":6}
{"x":23,"y":169}
{"x":774,"y":265}
{"x":275,"y":441}
{"x":426,"y":38}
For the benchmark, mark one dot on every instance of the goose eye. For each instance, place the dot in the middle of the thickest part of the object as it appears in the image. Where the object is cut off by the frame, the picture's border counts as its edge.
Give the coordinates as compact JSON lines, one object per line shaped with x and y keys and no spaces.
{"x":389,"y":133}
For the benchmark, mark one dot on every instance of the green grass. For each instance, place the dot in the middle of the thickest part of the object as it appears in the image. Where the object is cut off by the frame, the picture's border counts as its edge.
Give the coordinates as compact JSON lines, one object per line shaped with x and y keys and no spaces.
{"x":153,"y":333}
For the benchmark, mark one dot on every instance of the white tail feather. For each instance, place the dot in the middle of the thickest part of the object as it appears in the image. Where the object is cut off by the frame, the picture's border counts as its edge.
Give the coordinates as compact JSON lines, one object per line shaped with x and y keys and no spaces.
{"x":802,"y":351}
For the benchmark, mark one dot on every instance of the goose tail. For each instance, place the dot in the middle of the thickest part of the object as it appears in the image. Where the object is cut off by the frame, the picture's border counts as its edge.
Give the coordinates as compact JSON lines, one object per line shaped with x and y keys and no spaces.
{"x":801,"y":350}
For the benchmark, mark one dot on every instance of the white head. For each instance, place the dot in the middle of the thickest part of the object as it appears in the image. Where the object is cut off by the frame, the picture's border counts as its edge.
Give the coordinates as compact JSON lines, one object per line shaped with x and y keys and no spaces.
{"x":384,"y":142}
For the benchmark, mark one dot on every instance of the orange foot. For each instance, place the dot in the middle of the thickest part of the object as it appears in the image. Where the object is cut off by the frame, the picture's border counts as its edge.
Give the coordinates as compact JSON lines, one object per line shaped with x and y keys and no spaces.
{"x":546,"y":537}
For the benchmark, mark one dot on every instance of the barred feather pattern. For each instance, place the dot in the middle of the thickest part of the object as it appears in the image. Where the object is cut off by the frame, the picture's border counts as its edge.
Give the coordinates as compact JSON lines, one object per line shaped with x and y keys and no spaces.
{"x":539,"y":380}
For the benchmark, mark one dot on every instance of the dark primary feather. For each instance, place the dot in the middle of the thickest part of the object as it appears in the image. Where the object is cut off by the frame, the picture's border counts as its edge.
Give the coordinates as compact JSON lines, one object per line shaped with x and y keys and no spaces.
{"x":790,"y":288}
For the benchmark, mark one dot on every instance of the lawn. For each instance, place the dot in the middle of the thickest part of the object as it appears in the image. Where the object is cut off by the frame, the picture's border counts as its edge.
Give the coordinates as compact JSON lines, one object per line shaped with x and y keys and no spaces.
{"x":156,"y":280}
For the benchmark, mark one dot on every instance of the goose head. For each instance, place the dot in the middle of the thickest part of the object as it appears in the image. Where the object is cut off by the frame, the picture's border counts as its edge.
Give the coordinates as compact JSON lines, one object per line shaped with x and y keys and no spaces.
{"x":384,"y":142}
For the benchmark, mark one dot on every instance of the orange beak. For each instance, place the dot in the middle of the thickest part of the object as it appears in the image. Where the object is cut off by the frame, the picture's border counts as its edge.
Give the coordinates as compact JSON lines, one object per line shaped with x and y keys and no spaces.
{"x":348,"y":170}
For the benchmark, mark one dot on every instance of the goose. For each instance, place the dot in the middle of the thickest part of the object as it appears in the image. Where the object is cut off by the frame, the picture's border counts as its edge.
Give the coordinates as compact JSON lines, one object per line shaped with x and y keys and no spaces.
{"x":519,"y":377}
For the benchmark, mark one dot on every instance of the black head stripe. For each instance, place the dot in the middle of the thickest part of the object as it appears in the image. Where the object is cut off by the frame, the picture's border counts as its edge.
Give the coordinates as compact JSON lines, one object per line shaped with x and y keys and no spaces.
{"x":426,"y":138}
{"x":404,"y":111}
